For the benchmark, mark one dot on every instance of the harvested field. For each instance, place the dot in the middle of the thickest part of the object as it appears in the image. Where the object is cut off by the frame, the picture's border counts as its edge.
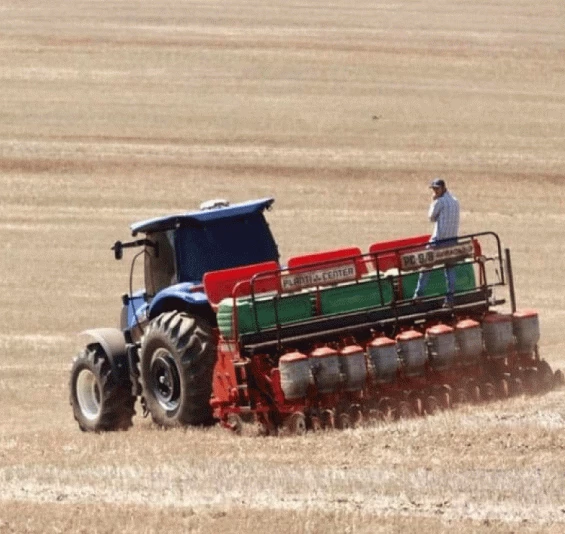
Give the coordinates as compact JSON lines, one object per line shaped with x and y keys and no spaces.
{"x":117,"y":111}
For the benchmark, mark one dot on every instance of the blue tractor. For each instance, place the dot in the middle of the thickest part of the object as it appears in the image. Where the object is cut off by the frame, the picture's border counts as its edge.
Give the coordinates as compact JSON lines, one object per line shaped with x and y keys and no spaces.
{"x":165,"y":349}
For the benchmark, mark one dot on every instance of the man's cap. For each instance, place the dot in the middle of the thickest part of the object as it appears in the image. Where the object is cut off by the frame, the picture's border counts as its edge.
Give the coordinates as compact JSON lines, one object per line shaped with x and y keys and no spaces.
{"x":438,"y":182}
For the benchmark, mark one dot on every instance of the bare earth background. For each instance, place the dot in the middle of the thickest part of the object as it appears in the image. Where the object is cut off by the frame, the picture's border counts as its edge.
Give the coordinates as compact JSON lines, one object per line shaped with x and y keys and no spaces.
{"x":116,"y":111}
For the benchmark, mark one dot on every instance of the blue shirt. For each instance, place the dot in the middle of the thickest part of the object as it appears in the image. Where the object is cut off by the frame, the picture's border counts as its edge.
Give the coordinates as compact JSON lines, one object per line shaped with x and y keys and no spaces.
{"x":444,"y":212}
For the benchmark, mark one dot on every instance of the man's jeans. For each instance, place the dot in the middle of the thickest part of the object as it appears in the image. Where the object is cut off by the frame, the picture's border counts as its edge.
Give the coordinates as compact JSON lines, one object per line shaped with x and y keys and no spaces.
{"x":424,"y":276}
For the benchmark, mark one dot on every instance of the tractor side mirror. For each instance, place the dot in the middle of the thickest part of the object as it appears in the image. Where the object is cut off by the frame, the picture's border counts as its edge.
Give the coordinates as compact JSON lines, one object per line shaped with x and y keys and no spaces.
{"x":118,"y":249}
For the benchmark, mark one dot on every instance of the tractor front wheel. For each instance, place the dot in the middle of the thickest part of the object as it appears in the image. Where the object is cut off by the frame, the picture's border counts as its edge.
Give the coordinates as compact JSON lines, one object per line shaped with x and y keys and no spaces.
{"x":101,"y":400}
{"x":177,"y":360}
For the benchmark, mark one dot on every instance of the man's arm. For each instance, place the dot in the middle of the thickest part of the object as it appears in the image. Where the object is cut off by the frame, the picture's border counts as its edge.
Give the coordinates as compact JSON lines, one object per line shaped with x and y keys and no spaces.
{"x":435,"y":208}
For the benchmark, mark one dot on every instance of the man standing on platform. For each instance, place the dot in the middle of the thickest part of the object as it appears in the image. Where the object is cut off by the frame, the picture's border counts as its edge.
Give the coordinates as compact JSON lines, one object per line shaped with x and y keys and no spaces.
{"x":444,"y":213}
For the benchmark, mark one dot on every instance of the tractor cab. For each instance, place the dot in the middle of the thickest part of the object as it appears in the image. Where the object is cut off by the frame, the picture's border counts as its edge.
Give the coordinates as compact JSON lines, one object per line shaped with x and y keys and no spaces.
{"x":180,"y":249}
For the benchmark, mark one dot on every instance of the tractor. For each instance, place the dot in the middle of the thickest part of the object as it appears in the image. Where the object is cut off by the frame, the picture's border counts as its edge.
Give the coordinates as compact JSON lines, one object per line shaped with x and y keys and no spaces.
{"x":223,"y":332}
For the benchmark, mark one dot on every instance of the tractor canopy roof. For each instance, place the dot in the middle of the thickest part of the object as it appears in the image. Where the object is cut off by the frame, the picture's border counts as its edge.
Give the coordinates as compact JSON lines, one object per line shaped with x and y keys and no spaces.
{"x":201,"y":217}
{"x":211,"y":239}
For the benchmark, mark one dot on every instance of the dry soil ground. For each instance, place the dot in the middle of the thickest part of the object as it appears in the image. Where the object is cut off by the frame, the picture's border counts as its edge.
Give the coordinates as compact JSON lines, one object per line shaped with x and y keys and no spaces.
{"x":116,"y":111}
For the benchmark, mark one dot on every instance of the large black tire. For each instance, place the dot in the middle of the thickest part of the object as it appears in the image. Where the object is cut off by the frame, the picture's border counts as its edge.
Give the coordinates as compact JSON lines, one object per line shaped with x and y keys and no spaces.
{"x":101,"y":399}
{"x":178,"y":353}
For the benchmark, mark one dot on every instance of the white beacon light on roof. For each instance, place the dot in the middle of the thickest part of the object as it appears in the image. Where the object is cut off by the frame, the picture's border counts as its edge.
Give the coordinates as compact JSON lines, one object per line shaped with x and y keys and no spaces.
{"x":214,"y":203}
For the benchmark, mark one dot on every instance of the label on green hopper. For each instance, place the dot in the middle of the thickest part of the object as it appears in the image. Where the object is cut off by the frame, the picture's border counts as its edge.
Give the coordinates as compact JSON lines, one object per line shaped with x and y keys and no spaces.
{"x":434,"y":255}
{"x":324,"y":276}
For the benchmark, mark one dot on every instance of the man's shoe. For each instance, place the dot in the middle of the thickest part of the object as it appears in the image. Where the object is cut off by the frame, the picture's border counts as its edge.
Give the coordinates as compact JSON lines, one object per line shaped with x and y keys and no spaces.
{"x":447,"y":305}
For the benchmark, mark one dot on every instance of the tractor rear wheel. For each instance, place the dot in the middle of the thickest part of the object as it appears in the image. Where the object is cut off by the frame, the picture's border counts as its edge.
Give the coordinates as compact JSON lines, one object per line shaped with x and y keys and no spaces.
{"x":101,"y":400}
{"x":177,"y":360}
